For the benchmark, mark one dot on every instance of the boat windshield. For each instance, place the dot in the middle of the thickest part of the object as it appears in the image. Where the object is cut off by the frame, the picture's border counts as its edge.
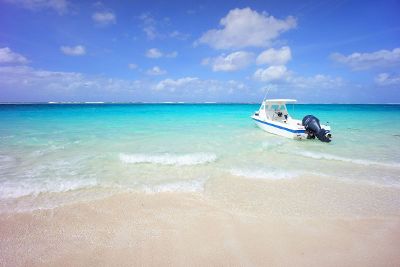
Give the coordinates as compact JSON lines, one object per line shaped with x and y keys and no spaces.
{"x":274,"y":111}
{"x":277,"y":107}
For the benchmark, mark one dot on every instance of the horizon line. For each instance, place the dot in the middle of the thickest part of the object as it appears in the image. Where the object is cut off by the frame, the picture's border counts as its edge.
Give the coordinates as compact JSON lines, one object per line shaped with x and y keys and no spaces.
{"x":172,"y":102}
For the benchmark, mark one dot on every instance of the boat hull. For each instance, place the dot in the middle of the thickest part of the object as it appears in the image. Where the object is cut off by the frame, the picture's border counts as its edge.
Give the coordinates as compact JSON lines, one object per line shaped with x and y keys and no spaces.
{"x":282,"y":130}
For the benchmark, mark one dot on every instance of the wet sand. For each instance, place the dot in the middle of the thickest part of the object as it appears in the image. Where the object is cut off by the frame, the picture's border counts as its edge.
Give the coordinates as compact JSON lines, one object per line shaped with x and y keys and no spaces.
{"x":179,"y":229}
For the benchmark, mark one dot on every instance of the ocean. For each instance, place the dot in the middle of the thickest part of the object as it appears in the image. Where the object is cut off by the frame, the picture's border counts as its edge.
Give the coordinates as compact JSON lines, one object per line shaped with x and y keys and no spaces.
{"x":52,"y":155}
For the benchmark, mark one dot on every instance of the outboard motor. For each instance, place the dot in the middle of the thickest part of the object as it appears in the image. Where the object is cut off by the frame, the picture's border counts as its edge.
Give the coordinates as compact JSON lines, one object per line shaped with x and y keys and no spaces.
{"x":313,"y":128}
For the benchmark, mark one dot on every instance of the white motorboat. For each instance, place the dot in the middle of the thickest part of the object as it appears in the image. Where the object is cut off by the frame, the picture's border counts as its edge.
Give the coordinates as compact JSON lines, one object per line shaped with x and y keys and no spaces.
{"x":274,"y":118}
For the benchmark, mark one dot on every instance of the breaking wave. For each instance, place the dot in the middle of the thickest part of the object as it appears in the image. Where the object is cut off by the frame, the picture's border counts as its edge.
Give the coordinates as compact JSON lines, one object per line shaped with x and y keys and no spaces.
{"x":169,"y":159}
{"x":324,"y":156}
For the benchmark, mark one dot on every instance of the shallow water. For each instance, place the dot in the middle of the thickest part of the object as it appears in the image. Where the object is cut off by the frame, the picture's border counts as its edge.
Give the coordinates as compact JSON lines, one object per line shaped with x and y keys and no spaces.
{"x":52,"y":155}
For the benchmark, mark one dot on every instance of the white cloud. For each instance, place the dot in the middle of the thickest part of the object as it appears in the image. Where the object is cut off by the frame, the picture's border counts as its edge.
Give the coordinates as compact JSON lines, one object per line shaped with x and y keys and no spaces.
{"x":8,"y":56}
{"x":159,"y":29}
{"x":179,"y":35}
{"x":194,"y":85}
{"x":319,"y":81}
{"x":246,"y":27}
{"x":271,"y":73}
{"x":132,"y":66}
{"x":78,"y":50}
{"x":149,"y":26}
{"x":386,"y":79}
{"x":156,"y":53}
{"x":104,"y":18}
{"x":363,"y":61}
{"x":172,"y":85}
{"x":275,"y":56}
{"x":172,"y":54}
{"x":156,"y":70}
{"x":232,"y":62}
{"x":280,"y":75}
{"x":61,"y":6}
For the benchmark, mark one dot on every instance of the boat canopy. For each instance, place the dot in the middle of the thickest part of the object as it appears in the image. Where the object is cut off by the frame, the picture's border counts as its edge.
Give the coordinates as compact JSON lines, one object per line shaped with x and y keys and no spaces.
{"x":279,"y":101}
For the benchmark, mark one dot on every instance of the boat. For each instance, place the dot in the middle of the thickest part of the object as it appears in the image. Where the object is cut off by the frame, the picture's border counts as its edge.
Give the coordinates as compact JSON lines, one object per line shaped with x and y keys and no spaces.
{"x":273,"y":117}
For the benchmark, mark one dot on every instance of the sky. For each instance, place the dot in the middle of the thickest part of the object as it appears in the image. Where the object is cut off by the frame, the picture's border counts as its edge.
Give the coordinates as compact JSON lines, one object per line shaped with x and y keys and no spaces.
{"x":328,"y":51}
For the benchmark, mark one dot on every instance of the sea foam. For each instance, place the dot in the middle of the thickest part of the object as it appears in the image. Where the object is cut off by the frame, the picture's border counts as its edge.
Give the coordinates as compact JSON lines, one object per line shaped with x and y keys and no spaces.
{"x":325,"y":156}
{"x":6,"y":162}
{"x":189,"y":186}
{"x":272,"y":144}
{"x":6,"y":158}
{"x":10,"y":189}
{"x":263,"y":174}
{"x":169,"y":159}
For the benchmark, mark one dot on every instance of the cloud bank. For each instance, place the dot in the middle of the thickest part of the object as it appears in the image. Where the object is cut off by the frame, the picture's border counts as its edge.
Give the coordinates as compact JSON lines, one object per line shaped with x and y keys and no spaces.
{"x":386,"y":79}
{"x":364,"y":61}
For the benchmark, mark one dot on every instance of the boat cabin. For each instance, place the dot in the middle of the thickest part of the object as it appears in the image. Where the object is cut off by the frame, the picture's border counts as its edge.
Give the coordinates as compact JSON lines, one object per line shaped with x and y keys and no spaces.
{"x":275,"y":109}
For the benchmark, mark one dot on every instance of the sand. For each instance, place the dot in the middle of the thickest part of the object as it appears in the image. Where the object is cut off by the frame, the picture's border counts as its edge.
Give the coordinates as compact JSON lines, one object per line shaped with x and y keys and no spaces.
{"x":182,"y":229}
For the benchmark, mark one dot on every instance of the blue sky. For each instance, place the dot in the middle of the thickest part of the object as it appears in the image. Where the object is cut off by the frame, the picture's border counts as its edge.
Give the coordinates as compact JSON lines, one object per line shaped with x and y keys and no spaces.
{"x":220,"y":51}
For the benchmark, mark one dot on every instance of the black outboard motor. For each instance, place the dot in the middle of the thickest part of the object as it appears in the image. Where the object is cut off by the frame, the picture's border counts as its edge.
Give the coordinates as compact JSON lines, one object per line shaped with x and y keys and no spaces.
{"x":313,"y":128}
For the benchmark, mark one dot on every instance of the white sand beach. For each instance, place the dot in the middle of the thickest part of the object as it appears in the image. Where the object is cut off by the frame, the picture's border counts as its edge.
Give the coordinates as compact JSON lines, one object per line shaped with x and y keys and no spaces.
{"x":191,"y":229}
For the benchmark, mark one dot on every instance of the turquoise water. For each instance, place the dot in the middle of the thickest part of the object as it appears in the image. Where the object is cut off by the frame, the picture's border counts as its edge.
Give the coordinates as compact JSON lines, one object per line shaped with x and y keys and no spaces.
{"x":54,"y":154}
